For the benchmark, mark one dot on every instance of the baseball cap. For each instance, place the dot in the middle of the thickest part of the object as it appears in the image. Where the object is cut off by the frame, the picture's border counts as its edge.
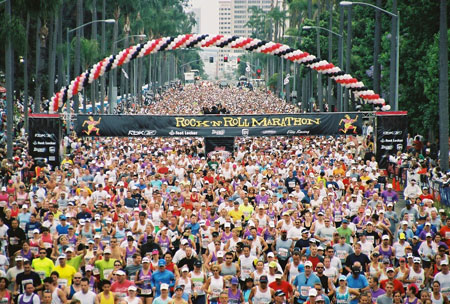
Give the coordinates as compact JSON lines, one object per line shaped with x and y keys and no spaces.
{"x":132,"y":288}
{"x":402,"y":236}
{"x":342,"y":278}
{"x":69,"y":249}
{"x":220,"y":254}
{"x":62,"y":256}
{"x":389,"y":269}
{"x":155,"y":251}
{"x":198,"y":263}
{"x":308,"y":264}
{"x":19,"y":258}
{"x":89,"y":268}
{"x":409,"y":255}
{"x":389,"y":186}
{"x":107,"y":251}
{"x":234,"y":280}
{"x":184,"y":268}
{"x":263,"y":279}
{"x":428,"y":235}
{"x":404,"y":223}
{"x":36,"y":231}
{"x":202,"y":223}
{"x":385,"y":237}
{"x":164,"y":286}
{"x":278,"y":276}
{"x":279,"y":293}
{"x":184,"y":242}
{"x":270,"y":255}
{"x":320,"y":299}
{"x":273,"y":264}
{"x":162,"y":262}
{"x":312,"y":292}
{"x":146,"y":260}
{"x":444,"y":262}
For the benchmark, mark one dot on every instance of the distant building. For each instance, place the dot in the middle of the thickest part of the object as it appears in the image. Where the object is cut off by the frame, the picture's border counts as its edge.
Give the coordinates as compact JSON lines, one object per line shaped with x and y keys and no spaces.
{"x":233,"y":17}
{"x":197,"y":16}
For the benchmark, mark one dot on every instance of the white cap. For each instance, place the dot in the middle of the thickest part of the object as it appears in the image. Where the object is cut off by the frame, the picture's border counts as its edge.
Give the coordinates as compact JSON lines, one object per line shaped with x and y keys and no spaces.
{"x":69,"y":249}
{"x":312,"y":292}
{"x":368,"y":212}
{"x":417,"y":260}
{"x":385,"y":237}
{"x":62,"y":256}
{"x":107,"y":250}
{"x":120,"y":272}
{"x":24,"y":206}
{"x":404,"y":223}
{"x":36,"y":231}
{"x":389,"y":186}
{"x":220,"y":254}
{"x":184,"y":242}
{"x":308,"y":263}
{"x":164,"y":286}
{"x":227,"y":225}
{"x":146,"y":260}
{"x":132,"y":288}
{"x":270,"y":255}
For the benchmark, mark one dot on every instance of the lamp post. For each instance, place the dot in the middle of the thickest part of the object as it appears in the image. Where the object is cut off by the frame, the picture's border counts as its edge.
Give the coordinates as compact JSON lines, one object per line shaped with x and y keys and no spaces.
{"x":67,"y":40}
{"x":395,"y":33}
{"x":340,"y":54}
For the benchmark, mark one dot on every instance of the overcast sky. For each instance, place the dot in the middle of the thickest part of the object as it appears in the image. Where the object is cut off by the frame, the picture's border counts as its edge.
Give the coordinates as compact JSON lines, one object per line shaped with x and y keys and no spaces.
{"x":209,"y":23}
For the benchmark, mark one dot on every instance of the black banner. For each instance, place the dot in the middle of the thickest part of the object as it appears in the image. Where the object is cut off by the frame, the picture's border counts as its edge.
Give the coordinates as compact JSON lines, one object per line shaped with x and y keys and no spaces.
{"x":223,"y":146}
{"x":392,"y":133}
{"x":44,"y":138}
{"x":220,"y":125}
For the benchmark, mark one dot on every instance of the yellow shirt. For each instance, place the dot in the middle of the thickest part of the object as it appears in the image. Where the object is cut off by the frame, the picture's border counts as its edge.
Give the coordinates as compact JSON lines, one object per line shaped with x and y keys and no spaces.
{"x":236,"y":214}
{"x":43,"y":267}
{"x":247,"y":211}
{"x":66,"y":274}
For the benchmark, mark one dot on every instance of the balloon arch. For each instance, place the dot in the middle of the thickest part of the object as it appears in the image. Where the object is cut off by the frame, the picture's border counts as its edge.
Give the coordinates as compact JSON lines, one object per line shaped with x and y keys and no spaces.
{"x":235,"y":42}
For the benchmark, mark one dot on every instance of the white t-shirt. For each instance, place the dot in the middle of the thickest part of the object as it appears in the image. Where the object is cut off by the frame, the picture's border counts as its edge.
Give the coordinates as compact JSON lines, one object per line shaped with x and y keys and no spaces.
{"x":85,"y":298}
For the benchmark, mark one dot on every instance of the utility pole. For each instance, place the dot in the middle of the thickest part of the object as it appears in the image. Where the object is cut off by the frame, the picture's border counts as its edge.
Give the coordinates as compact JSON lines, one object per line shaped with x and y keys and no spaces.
{"x":443,"y":87}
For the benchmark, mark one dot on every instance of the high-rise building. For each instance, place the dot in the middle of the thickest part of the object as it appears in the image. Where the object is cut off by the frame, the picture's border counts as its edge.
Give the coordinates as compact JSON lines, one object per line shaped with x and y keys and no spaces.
{"x":233,"y":18}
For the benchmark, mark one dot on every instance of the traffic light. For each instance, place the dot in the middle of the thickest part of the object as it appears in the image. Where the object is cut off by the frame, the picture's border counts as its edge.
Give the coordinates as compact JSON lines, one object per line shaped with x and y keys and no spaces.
{"x":258,"y":73}
{"x":238,"y":60}
{"x":211,"y":59}
{"x":225,"y":58}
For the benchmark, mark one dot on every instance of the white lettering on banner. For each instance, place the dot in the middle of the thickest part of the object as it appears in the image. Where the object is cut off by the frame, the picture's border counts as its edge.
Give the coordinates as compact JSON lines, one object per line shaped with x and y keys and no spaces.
{"x":142,"y":132}
{"x":218,"y":132}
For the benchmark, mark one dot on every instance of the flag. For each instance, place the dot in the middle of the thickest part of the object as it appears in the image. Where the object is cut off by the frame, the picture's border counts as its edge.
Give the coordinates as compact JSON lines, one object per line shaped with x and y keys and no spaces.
{"x":125,"y":74}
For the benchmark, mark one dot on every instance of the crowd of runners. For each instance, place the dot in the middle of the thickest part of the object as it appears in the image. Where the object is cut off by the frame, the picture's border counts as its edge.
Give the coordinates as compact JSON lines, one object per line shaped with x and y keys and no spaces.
{"x":282,"y":220}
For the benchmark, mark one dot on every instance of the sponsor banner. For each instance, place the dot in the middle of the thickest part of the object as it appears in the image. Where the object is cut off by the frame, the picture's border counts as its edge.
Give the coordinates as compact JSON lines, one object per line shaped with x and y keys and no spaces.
{"x":44,"y":139}
{"x":220,"y":125}
{"x":392,"y":133}
{"x":222,"y":147}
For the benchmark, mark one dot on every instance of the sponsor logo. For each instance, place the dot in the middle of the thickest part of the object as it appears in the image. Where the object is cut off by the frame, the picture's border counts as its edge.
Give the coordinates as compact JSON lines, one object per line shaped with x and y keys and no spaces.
{"x":302,"y":132}
{"x":52,"y":150}
{"x":245,"y":132}
{"x":218,"y":132}
{"x":142,"y":132}
{"x":290,"y":132}
{"x":183,"y":133}
{"x":269,"y":132}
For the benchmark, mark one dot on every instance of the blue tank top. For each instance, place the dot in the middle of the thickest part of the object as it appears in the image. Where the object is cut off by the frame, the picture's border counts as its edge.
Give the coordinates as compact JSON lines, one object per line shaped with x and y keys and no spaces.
{"x":234,"y":298}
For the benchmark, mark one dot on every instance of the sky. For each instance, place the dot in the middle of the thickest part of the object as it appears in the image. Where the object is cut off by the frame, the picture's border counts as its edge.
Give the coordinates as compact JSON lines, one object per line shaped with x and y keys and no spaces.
{"x":209,"y":23}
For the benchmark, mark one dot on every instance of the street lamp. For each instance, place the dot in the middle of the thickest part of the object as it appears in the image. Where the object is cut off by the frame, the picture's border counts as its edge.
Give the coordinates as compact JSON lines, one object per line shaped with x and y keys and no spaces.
{"x":397,"y":43}
{"x":137,"y":36}
{"x":340,"y":53}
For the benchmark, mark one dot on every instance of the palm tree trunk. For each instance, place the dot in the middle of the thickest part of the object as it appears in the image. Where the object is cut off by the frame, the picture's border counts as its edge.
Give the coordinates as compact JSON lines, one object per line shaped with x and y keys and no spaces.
{"x":103,"y":49}
{"x":37,"y":78}
{"x":9,"y":52}
{"x":330,"y":99}
{"x":25,"y":74}
{"x":392,"y":67}
{"x":348,"y":54}
{"x":112,"y":80}
{"x":52,"y":54}
{"x":376,"y":50}
{"x":443,"y":87}
{"x":94,"y":38}
{"x":78,"y":50}
{"x":61,"y":76}
{"x":319,"y":75}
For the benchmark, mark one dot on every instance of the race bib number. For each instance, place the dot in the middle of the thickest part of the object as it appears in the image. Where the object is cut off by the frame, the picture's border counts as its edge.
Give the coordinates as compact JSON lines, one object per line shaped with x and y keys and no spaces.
{"x":304,"y":291}
{"x":62,"y":283}
{"x":13,"y":241}
{"x":341,"y":254}
{"x":146,"y":292}
{"x":291,"y":184}
{"x":107,"y":272}
{"x":41,"y":274}
{"x":34,"y":250}
{"x":283,"y":252}
{"x":4,"y":301}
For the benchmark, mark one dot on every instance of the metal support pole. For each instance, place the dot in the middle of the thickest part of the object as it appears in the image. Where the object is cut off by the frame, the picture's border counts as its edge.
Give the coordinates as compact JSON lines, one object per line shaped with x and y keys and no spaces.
{"x":348,"y":55}
{"x":9,"y":87}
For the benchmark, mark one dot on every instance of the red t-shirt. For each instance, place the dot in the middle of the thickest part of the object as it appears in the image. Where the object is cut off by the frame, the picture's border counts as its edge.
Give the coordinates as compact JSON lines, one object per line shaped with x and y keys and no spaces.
{"x":398,"y":286}
{"x":284,"y":286}
{"x":121,"y":289}
{"x":314,"y":260}
{"x":445,"y":234}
